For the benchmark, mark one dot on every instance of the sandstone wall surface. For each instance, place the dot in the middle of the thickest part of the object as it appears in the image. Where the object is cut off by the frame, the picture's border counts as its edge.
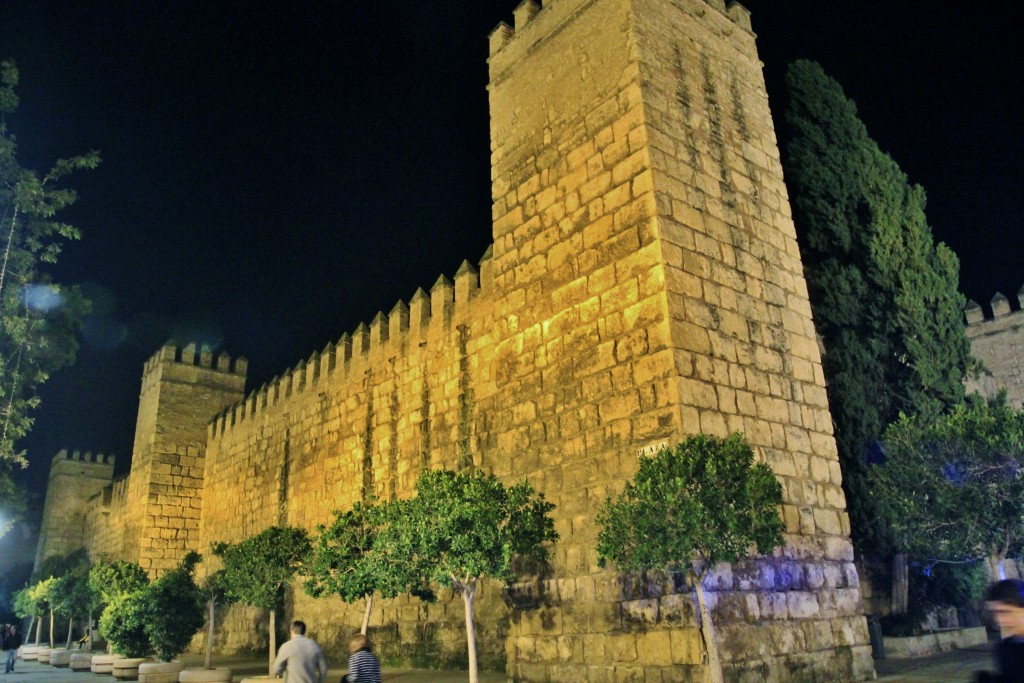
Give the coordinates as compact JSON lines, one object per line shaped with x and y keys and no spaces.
{"x":998,"y":342}
{"x":644,"y":284}
{"x":75,"y":477}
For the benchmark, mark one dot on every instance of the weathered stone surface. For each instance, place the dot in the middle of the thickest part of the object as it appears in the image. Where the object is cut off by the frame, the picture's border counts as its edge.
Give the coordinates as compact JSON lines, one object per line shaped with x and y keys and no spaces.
{"x":644,"y":283}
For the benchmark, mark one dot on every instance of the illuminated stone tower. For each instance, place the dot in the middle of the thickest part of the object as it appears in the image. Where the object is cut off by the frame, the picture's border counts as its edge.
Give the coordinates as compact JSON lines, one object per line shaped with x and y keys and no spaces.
{"x":647,"y":264}
{"x":181,"y":392}
{"x":75,"y":477}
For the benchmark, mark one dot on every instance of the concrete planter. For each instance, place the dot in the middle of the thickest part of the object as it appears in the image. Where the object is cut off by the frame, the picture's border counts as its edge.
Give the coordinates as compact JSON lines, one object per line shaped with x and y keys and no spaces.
{"x":31,"y":652}
{"x":104,"y":664}
{"x":127,"y":669}
{"x":259,"y":679}
{"x":160,"y":672}
{"x":205,"y":676}
{"x":81,"y":661}
{"x":937,"y":641}
{"x":60,"y":658}
{"x":43,"y":655}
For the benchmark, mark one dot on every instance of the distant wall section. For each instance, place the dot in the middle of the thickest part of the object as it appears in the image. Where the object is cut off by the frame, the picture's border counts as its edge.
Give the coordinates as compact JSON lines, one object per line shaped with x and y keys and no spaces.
{"x":998,"y":342}
{"x":75,"y":478}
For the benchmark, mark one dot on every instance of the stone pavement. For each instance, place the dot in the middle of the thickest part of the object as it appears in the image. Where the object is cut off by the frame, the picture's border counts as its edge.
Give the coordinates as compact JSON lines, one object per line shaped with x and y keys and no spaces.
{"x":34,"y":672}
{"x":949,"y":667}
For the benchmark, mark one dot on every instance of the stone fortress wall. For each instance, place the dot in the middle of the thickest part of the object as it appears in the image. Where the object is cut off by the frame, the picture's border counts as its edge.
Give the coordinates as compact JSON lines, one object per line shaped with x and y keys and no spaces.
{"x":75,"y":477}
{"x":998,"y":342}
{"x":644,"y":283}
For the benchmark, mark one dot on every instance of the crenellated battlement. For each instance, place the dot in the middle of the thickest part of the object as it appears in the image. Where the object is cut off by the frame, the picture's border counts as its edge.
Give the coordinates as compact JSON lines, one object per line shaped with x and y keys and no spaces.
{"x":171,"y":355}
{"x":448,"y":303}
{"x":997,"y":338}
{"x":1000,"y":306}
{"x":644,"y":284}
{"x":83,"y":457}
{"x":531,"y":21}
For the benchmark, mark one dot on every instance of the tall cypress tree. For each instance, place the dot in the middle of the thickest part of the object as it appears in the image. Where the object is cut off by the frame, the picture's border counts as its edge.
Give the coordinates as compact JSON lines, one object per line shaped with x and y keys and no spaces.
{"x":883,"y":293}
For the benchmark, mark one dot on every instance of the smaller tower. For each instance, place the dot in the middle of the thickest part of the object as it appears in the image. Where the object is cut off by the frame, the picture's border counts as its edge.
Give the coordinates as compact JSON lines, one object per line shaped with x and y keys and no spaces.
{"x":75,"y":477}
{"x":182,"y":390}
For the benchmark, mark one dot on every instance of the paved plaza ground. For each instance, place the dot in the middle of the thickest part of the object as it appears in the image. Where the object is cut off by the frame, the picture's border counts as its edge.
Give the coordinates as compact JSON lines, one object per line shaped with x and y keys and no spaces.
{"x":950,"y":667}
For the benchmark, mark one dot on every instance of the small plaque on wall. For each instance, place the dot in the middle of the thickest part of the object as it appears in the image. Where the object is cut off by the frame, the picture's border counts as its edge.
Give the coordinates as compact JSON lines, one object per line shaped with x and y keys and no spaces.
{"x":651,"y":449}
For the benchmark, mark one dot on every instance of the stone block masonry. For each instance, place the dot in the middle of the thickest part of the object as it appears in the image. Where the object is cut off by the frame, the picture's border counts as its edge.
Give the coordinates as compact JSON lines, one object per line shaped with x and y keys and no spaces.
{"x":998,"y":342}
{"x":75,"y":477}
{"x":644,"y":283}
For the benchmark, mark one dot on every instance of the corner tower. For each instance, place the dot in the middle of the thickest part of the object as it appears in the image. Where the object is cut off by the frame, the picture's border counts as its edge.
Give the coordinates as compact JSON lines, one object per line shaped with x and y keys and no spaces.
{"x":647,"y":265}
{"x":182,"y":390}
{"x":75,"y":477}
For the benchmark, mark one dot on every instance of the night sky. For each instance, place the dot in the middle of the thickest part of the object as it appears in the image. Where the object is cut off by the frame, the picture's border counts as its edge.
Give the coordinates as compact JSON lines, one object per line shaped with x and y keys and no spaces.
{"x":275,"y":173}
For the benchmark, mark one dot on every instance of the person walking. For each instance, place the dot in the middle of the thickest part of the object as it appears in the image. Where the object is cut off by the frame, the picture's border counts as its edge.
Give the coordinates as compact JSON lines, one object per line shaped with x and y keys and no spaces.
{"x":12,"y":641}
{"x":363,"y":666}
{"x":301,"y":657}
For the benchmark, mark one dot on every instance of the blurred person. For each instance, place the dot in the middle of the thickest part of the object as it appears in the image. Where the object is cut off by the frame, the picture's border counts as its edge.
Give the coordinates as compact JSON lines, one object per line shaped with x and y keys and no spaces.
{"x":363,"y":666}
{"x":1005,"y":602}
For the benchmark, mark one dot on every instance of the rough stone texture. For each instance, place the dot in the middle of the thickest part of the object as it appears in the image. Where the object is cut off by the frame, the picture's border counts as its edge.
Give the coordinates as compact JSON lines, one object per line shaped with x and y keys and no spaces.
{"x":152,"y":515}
{"x":75,"y":477}
{"x":644,"y":283}
{"x":998,"y":342}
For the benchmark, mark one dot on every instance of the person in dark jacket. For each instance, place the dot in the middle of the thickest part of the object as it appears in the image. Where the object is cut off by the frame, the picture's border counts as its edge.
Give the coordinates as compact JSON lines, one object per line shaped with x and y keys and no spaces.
{"x":1005,"y":602}
{"x":12,"y":641}
{"x":363,"y":666}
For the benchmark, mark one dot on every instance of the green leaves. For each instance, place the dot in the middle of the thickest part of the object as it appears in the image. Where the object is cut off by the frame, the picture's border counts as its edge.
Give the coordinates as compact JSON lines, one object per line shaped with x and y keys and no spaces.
{"x":257,"y":568}
{"x":34,"y":342}
{"x":175,"y":610}
{"x":463,"y":526}
{"x":953,"y":488}
{"x":347,"y":559}
{"x":705,"y":499}
{"x":883,"y":294}
{"x":113,"y":579}
{"x":123,"y":623}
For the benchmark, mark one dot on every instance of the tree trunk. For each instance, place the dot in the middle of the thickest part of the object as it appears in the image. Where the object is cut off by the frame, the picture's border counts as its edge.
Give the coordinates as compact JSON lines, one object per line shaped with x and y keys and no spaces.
{"x":467,"y":599}
{"x":707,"y":631}
{"x":51,"y":627}
{"x":993,"y":562}
{"x":71,"y":625}
{"x":211,"y":606}
{"x":273,"y":640}
{"x":28,"y":631}
{"x":900,"y":596}
{"x":39,"y":628}
{"x":366,"y":614}
{"x":89,"y":627}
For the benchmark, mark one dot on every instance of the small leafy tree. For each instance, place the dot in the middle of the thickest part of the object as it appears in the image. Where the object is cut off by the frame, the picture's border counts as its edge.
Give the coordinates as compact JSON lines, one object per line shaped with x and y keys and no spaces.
{"x":26,"y":606}
{"x":689,"y":508}
{"x":111,"y":581}
{"x":952,"y":488}
{"x":73,"y":596}
{"x":463,"y":527}
{"x":213,"y":593}
{"x":174,"y":607}
{"x":124,"y":624}
{"x":257,"y":569}
{"x":348,"y":562}
{"x":42,"y":595}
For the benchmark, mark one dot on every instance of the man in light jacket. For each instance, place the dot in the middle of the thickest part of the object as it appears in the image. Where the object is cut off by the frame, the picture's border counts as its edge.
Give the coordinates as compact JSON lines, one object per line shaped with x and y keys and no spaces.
{"x":302,"y":657}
